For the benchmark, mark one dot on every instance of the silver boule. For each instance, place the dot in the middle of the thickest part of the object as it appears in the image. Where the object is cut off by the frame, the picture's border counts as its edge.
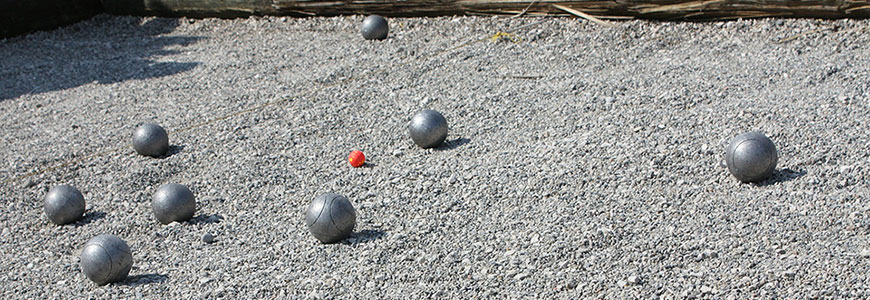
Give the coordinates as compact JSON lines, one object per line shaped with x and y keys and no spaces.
{"x":106,"y":258}
{"x":151,"y":140}
{"x":64,"y":204}
{"x":330,"y":218}
{"x":173,"y":202}
{"x":751,"y":157}
{"x":428,"y":129}
{"x":375,"y":27}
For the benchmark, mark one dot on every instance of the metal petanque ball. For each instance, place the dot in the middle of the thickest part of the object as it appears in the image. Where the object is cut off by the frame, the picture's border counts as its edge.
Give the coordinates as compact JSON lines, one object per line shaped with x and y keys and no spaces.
{"x":106,"y":258}
{"x":330,"y":218}
{"x":173,"y":202}
{"x":751,"y":157}
{"x":151,"y":140}
{"x":64,"y":204}
{"x":428,"y":129}
{"x":375,"y":27}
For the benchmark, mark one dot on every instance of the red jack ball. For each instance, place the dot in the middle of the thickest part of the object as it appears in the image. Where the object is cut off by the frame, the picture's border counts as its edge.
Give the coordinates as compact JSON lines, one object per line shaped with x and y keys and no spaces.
{"x":356,"y":158}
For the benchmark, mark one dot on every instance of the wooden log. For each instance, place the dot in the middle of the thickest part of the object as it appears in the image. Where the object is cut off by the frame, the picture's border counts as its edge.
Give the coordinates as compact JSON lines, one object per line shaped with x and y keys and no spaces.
{"x":23,"y":16}
{"x":191,"y":8}
{"x":651,"y":9}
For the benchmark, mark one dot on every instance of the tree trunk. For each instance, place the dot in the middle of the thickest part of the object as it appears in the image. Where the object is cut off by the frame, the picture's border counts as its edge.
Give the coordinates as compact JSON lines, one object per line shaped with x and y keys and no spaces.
{"x":23,"y":16}
{"x":652,"y":9}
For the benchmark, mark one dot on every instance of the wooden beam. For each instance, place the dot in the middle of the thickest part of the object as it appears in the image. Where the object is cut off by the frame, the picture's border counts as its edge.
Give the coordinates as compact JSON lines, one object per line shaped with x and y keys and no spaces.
{"x":651,"y":9}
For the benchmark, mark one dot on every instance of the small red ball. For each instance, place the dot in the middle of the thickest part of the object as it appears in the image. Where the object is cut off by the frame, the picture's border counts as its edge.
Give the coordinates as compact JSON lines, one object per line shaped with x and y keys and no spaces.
{"x":356,"y":158}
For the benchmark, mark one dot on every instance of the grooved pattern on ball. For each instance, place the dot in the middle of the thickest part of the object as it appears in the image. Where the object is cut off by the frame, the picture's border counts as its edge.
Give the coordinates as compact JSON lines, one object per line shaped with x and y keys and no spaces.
{"x":106,"y":258}
{"x":330,"y":218}
{"x":751,"y":157}
{"x":338,"y":214}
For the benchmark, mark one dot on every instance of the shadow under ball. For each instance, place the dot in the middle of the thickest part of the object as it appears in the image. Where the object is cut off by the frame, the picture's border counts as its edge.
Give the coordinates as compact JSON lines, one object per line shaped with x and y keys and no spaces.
{"x":330,"y":218}
{"x":173,"y":202}
{"x":64,"y":204}
{"x":375,"y":27}
{"x":428,"y":129}
{"x":106,"y":258}
{"x":151,"y":140}
{"x":751,"y":157}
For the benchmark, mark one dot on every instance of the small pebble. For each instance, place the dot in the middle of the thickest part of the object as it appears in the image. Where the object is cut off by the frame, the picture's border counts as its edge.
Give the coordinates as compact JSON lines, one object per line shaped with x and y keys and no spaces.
{"x":208,"y":238}
{"x":30,"y":183}
{"x":706,"y":290}
{"x":708,"y":254}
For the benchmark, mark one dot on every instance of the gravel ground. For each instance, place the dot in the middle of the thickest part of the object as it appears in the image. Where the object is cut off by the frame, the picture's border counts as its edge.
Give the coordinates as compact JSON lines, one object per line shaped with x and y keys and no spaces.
{"x":582,"y":161}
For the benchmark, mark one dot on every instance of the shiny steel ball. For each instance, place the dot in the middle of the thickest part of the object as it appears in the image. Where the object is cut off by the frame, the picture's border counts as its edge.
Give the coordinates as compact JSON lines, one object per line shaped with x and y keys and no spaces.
{"x":106,"y":258}
{"x":375,"y":27}
{"x":751,"y":157}
{"x":151,"y":140}
{"x":428,"y":129}
{"x":64,"y":204}
{"x":330,"y":218}
{"x":173,"y":202}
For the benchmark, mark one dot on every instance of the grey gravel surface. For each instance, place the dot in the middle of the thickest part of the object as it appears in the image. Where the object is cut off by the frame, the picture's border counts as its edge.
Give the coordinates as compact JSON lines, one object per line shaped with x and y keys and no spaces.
{"x":582,"y":161}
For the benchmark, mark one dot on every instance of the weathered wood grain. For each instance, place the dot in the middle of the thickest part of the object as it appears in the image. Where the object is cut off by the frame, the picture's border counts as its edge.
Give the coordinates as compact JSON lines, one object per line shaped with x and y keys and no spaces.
{"x":652,"y":9}
{"x":22,"y":16}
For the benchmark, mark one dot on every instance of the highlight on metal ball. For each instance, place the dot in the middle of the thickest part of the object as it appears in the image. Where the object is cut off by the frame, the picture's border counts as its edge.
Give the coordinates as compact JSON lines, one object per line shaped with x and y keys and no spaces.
{"x":106,"y":258}
{"x":330,"y":218}
{"x":64,"y":204}
{"x":428,"y":129}
{"x":375,"y":27}
{"x":151,"y":140}
{"x":751,"y":157}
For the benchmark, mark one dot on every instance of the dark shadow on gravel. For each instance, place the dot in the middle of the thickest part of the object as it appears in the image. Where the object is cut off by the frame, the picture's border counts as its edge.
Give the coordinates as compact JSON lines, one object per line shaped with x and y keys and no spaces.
{"x":453,"y":144}
{"x":102,"y":50}
{"x":206,"y":219}
{"x":90,"y":217}
{"x":782,"y":175}
{"x":143,"y":279}
{"x":365,"y":236}
{"x":173,"y":150}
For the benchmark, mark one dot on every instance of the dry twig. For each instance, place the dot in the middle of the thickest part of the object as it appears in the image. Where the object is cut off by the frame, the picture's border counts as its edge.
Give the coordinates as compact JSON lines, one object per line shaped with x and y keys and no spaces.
{"x":802,"y":34}
{"x":524,"y":10}
{"x":584,"y":15}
